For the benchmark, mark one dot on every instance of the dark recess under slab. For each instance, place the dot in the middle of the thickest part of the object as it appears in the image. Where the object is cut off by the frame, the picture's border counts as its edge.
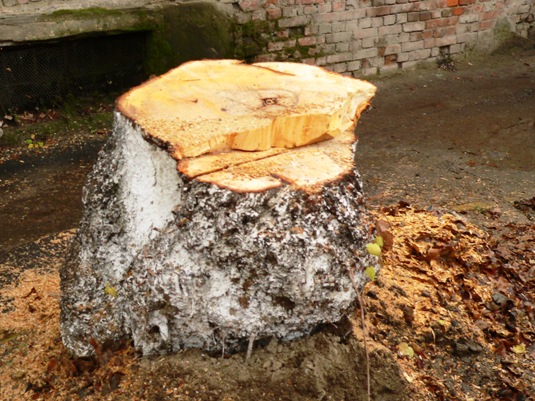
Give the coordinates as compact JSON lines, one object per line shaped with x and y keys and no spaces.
{"x":43,"y":73}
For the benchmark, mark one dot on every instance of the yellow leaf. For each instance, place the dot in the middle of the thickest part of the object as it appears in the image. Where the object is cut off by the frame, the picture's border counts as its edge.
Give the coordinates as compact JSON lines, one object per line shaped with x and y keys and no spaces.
{"x":379,"y":241}
{"x":370,"y":272}
{"x":110,"y":290}
{"x":519,"y":349}
{"x":406,"y":349}
{"x":374,"y":249}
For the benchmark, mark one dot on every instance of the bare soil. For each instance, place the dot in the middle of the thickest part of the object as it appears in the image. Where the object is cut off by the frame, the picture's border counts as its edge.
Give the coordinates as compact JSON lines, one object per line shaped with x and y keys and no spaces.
{"x":435,"y":137}
{"x":448,"y":161}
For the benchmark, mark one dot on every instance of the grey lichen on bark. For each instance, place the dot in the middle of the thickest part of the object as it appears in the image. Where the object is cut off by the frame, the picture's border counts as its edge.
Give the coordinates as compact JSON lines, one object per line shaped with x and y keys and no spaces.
{"x":175,"y":262}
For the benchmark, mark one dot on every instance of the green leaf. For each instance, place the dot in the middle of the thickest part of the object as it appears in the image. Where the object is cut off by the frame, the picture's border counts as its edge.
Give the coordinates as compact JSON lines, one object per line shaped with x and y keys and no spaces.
{"x":40,"y":144}
{"x":379,"y":241}
{"x":110,"y":290}
{"x":28,"y":141}
{"x":370,"y":272}
{"x":374,"y":249}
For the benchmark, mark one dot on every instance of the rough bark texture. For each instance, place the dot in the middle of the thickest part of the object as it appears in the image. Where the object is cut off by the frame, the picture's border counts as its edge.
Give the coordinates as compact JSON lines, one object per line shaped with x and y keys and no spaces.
{"x":174,"y":262}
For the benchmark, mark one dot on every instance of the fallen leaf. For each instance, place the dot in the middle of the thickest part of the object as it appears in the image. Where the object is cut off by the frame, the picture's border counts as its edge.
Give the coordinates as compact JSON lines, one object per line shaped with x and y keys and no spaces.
{"x":370,"y":272}
{"x":433,"y":254}
{"x":379,"y":241}
{"x":406,"y":350}
{"x":110,"y":290}
{"x":519,"y":349}
{"x":374,"y":249}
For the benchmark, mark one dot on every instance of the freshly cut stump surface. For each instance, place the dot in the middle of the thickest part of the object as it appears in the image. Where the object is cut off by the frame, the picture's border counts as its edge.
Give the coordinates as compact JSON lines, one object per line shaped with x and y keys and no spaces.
{"x":226,"y":206}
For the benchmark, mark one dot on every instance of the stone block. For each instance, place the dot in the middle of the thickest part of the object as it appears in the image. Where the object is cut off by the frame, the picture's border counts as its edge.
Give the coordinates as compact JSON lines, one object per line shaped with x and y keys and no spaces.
{"x":293,"y":22}
{"x":413,"y":26}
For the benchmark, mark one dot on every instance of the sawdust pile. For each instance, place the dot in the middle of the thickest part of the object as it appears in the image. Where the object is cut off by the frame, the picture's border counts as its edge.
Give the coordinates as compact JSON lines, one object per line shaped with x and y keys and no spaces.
{"x":456,"y":304}
{"x":453,"y":305}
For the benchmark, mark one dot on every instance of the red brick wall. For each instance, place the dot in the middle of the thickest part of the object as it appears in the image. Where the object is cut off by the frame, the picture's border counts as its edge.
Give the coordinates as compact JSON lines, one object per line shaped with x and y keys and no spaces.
{"x":368,"y":36}
{"x":362,"y":37}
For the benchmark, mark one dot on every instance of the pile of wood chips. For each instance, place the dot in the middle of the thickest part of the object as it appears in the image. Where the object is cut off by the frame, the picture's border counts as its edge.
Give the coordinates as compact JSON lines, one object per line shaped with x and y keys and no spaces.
{"x":453,"y":303}
{"x":456,"y":304}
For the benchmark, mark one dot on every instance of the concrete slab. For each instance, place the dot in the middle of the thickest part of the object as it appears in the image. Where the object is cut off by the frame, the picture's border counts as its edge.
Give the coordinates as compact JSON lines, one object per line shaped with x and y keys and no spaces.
{"x":49,"y":20}
{"x":9,"y":8}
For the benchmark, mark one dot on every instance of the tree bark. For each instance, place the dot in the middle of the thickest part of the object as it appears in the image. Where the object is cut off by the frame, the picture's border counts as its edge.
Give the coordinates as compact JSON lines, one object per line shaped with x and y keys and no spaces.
{"x":226,"y":205}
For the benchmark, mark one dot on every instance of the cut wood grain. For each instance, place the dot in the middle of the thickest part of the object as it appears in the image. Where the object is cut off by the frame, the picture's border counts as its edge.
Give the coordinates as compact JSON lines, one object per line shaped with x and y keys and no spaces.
{"x":234,"y":124}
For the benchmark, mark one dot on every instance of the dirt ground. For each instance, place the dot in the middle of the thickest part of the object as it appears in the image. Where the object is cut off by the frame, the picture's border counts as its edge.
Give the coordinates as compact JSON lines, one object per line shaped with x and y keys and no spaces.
{"x":448,"y":162}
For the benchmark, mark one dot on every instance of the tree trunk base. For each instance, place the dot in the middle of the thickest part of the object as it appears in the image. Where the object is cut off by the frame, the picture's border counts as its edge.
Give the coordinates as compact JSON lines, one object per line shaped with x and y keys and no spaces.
{"x":175,"y":262}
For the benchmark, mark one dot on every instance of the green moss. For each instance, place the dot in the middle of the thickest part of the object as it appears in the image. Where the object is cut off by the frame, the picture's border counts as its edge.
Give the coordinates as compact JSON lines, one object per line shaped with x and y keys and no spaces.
{"x":133,"y":20}
{"x":297,"y":32}
{"x":502,"y":30}
{"x":176,"y":32}
{"x":146,"y":22}
{"x":160,"y":56}
{"x":251,"y":38}
{"x":189,"y":31}
{"x":85,"y":13}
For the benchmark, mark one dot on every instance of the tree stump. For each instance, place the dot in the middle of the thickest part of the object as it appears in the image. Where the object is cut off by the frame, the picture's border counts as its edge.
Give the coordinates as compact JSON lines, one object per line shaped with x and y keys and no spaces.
{"x":226,"y":206}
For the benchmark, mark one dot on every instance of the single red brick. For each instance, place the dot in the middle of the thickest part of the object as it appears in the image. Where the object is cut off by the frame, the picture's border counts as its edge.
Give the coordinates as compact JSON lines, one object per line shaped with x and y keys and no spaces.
{"x":438,"y":32}
{"x":435,"y":23}
{"x":249,"y":5}
{"x":427,"y":34}
{"x":429,"y":43}
{"x":486,"y":24}
{"x":452,"y":20}
{"x":274,"y":13}
{"x":262,"y":58}
{"x":452,"y":3}
{"x":307,"y":41}
{"x":450,"y":30}
{"x":391,"y":59}
{"x":458,"y":11}
{"x":339,"y":5}
{"x":425,"y":15}
{"x":378,"y":11}
{"x":489,"y":15}
{"x":412,"y":17}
